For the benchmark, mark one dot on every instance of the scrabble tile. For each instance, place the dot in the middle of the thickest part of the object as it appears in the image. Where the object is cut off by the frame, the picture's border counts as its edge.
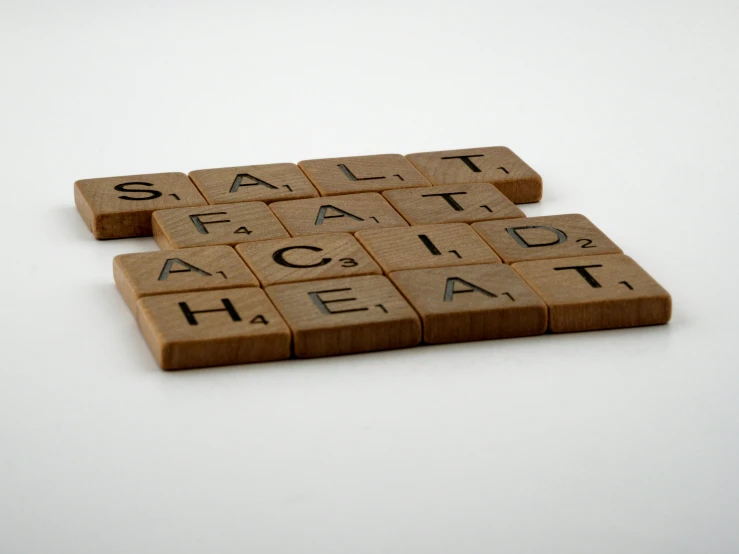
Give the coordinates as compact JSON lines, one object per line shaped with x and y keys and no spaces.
{"x":497,"y":165}
{"x":228,"y":224}
{"x":452,"y":204}
{"x":307,"y":258}
{"x":540,"y":238}
{"x":168,"y":271}
{"x":426,"y":246}
{"x":597,"y":292}
{"x":119,"y":207}
{"x":338,"y":214}
{"x":362,"y":174}
{"x":473,"y":302}
{"x":344,"y":316}
{"x":215,"y":327}
{"x":263,"y":183}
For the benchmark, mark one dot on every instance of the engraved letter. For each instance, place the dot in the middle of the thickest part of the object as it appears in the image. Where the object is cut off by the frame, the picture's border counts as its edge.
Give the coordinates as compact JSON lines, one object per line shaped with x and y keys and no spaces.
{"x":228,"y":307}
{"x":582,"y":270}
{"x":279,"y":256}
{"x":323,"y":304}
{"x":151,"y":193}
{"x":322,"y":214}
{"x":167,"y":269}
{"x":513,"y":231}
{"x":450,"y":289}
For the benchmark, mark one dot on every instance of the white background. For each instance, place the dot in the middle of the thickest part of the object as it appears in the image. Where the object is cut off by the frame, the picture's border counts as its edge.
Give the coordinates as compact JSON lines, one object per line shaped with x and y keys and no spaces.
{"x":617,"y":442}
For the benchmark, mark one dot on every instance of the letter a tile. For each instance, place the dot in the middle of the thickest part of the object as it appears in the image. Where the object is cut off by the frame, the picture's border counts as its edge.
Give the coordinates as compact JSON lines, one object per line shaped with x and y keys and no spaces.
{"x":167,"y":271}
{"x":216,"y":327}
{"x":228,"y":224}
{"x":337,"y":214}
{"x":343,"y":316}
{"x":540,"y":238}
{"x":474,"y":302}
{"x":120,"y":207}
{"x":261,"y":183}
{"x":597,"y":292}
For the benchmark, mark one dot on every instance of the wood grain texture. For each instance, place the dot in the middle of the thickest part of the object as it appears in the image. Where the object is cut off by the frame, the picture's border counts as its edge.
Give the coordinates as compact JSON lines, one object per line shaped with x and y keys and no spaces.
{"x":540,"y":238}
{"x":249,"y":183}
{"x":362,"y":174}
{"x":238,"y":326}
{"x":597,"y":292}
{"x":228,"y":224}
{"x":474,"y":302}
{"x":307,"y":258}
{"x":452,"y":204}
{"x":120,"y":207}
{"x":345,"y":316}
{"x":337,"y":214}
{"x":169,"y":271}
{"x":425,"y":246}
{"x":493,"y":164}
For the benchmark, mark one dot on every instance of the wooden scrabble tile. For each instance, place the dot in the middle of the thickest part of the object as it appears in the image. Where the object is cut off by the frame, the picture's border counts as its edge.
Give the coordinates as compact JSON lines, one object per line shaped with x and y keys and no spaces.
{"x":215,"y":327}
{"x":473,"y":302}
{"x":597,"y":292}
{"x":452,"y":204}
{"x":344,"y":316}
{"x":307,"y":258}
{"x":338,"y":214}
{"x":362,"y":174}
{"x":168,"y":271}
{"x":426,"y":246}
{"x":263,"y":183}
{"x":228,"y":224}
{"x":497,"y":165}
{"x":119,"y":207}
{"x":539,"y":238}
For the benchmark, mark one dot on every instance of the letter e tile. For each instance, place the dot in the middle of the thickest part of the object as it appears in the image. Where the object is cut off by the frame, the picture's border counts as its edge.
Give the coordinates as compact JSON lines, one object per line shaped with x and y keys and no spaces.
{"x":344,"y":316}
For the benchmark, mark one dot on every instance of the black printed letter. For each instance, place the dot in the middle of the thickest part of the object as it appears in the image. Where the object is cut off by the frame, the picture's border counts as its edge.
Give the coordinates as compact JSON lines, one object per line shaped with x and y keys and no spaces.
{"x":167,"y":269}
{"x":200,"y":225}
{"x":323,"y":304}
{"x":151,"y":193}
{"x":583,"y":271}
{"x":322,"y":214}
{"x":513,"y":231}
{"x":450,"y":291}
{"x":448,"y":197}
{"x":239,"y":182}
{"x":279,"y":256}
{"x":228,"y":307}
{"x":466,"y":159}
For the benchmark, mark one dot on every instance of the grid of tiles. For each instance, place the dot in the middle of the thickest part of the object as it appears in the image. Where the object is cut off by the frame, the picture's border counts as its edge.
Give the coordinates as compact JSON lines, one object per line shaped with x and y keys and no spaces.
{"x":345,"y":255}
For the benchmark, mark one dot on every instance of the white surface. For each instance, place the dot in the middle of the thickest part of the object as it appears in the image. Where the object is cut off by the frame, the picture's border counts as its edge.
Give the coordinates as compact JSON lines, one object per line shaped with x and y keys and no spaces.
{"x":610,"y":442}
